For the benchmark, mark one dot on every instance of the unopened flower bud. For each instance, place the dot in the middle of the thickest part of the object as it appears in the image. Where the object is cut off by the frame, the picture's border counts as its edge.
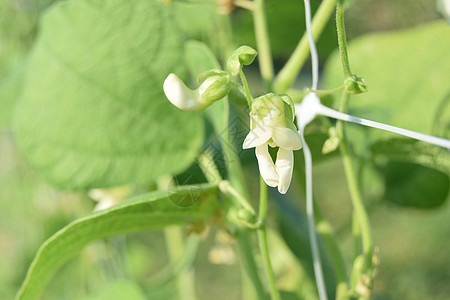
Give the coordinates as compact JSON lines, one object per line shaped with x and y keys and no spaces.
{"x":355,"y":85}
{"x":244,"y":55}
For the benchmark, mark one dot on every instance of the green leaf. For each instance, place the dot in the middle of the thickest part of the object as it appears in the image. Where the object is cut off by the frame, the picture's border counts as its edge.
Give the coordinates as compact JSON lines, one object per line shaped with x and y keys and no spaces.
{"x":414,"y":185}
{"x":407,"y":76}
{"x":11,"y":83}
{"x":416,"y":174}
{"x":119,"y":290}
{"x":412,"y":151}
{"x":199,"y":58}
{"x":146,"y":212}
{"x":93,"y":113}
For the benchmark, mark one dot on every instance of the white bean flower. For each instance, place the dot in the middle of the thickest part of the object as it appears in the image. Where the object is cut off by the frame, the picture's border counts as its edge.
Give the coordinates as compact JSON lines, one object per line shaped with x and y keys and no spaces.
{"x":213,"y":88}
{"x":271,"y":122}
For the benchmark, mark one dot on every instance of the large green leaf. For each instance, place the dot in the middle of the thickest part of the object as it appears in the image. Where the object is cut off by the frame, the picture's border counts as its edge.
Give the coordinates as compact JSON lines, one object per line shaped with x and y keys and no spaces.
{"x":150,"y":211}
{"x":93,"y":113}
{"x":11,"y":82}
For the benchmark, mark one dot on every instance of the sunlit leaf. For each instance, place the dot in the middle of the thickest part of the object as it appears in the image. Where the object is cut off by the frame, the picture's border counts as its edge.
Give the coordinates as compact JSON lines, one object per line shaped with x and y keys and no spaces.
{"x":93,"y":113}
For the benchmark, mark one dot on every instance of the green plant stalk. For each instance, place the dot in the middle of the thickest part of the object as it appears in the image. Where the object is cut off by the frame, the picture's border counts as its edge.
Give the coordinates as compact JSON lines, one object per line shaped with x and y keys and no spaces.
{"x":227,"y":188}
{"x":356,"y":233}
{"x":326,"y":233}
{"x":248,"y":292}
{"x":235,"y":172}
{"x":355,"y":194}
{"x":245,"y":251}
{"x":286,"y":77}
{"x":262,"y":239}
{"x":175,"y":249}
{"x":248,"y":95}
{"x":342,"y":41}
{"x":263,"y":44}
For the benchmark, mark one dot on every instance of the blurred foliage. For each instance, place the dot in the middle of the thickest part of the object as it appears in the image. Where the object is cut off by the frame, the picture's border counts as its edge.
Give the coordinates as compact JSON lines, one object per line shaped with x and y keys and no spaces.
{"x":406,"y":72}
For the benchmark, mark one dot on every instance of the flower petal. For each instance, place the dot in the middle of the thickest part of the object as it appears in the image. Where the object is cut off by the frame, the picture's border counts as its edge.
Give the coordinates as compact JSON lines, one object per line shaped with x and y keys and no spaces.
{"x":257,"y":137}
{"x":287,"y":138}
{"x":179,"y":94}
{"x":284,"y":166}
{"x":266,"y":166}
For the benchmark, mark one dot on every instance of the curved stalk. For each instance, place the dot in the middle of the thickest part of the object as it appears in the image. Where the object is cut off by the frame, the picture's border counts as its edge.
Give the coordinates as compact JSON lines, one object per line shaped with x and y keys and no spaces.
{"x":262,"y":239}
{"x":355,"y":194}
{"x":342,"y":42}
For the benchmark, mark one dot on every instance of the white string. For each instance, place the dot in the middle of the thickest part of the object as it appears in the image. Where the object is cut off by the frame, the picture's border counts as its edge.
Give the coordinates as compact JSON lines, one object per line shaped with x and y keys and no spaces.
{"x":311,"y":226}
{"x":318,"y":272}
{"x":326,"y":111}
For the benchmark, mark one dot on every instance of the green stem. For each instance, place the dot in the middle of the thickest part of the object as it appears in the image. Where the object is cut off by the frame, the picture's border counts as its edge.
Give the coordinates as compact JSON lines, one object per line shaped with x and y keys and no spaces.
{"x":337,"y":260}
{"x":235,"y":172}
{"x":226,"y":188}
{"x":175,"y":249}
{"x":326,"y":92}
{"x":248,"y":260}
{"x":262,"y":239}
{"x":239,"y":88}
{"x":355,"y":194}
{"x":342,"y":42}
{"x":285,"y":79}
{"x":248,"y":95}
{"x":262,"y":43}
{"x":356,"y":233}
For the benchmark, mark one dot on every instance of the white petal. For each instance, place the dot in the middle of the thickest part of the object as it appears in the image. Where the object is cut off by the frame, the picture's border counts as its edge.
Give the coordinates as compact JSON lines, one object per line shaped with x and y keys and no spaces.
{"x":266,"y":166}
{"x":257,"y":137}
{"x":287,"y":138}
{"x":284,"y":166}
{"x":179,"y":94}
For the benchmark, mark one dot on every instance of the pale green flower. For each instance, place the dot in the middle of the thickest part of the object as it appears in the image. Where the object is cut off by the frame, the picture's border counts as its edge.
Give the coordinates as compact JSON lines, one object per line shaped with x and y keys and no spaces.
{"x":272,"y":125}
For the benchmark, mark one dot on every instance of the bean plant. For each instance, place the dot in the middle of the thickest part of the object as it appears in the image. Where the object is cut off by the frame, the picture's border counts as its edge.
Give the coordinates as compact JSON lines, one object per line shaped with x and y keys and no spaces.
{"x":154,"y":110}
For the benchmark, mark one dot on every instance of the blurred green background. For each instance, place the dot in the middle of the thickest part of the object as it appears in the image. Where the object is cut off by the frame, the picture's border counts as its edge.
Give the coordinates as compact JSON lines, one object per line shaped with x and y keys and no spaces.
{"x":413,"y":243}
